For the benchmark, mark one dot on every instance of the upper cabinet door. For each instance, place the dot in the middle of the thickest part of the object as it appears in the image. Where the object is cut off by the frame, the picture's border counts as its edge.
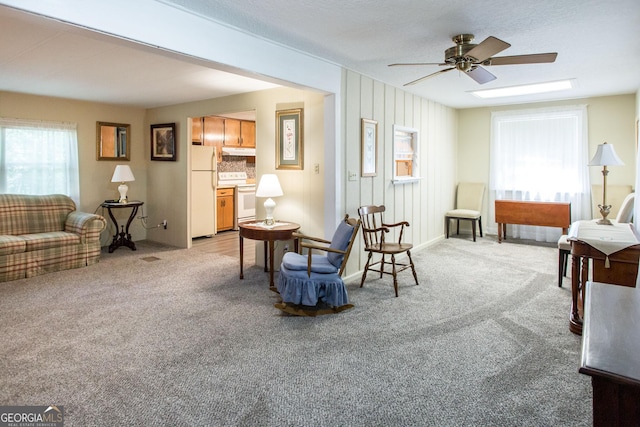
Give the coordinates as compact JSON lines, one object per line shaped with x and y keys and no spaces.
{"x":248,"y":134}
{"x":196,"y":130}
{"x":232,"y":133}
{"x":214,"y":134}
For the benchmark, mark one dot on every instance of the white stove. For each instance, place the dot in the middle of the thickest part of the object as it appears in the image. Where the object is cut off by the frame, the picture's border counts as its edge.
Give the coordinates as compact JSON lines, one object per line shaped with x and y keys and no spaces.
{"x":245,"y":197}
{"x":231,"y":179}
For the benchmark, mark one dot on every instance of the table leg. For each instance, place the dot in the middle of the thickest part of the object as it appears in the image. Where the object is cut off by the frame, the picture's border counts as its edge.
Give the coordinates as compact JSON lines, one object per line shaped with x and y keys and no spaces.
{"x":114,"y":243}
{"x":499,"y":233}
{"x":575,"y":322}
{"x":126,"y":239}
{"x":241,"y":256}
{"x":271,"y":250}
{"x":266,"y":268}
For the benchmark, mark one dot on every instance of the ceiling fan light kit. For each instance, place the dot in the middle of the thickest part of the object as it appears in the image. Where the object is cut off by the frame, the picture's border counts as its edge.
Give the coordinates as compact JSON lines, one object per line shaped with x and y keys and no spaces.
{"x":468,"y":57}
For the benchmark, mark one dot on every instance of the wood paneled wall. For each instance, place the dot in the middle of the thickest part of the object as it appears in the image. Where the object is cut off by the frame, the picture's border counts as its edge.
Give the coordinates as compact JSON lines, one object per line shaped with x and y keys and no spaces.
{"x":422,"y":203}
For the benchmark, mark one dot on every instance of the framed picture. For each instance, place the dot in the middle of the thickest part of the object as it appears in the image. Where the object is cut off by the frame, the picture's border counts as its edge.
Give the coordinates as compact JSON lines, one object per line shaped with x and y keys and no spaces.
{"x":163,"y":142}
{"x":289,"y":139}
{"x":369,"y":146}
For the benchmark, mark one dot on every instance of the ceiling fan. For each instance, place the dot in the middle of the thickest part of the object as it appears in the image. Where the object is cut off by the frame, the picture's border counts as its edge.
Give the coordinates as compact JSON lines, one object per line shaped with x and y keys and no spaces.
{"x":468,"y":57}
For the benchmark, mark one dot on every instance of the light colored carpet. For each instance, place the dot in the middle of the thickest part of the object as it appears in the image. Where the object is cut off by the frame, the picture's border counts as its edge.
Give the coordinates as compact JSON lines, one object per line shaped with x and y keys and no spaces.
{"x":165,"y":336}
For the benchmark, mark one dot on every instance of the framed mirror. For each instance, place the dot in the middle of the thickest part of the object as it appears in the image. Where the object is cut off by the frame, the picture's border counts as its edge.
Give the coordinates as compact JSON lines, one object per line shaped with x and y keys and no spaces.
{"x":112,"y":141}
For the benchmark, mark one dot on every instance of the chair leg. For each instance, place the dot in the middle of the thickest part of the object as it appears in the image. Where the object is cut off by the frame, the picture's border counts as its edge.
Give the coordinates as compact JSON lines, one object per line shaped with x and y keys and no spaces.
{"x":458,"y":226}
{"x":447,"y":220}
{"x":382,"y":265}
{"x":473,"y":229}
{"x":413,"y":269}
{"x":366,"y":268}
{"x":563,"y":257}
{"x":560,"y":264}
{"x":393,"y":270}
{"x":480,"y":224}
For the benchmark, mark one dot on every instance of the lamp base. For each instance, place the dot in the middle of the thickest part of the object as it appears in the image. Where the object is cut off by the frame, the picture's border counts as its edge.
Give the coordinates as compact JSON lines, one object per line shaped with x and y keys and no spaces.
{"x":123,"y":188}
{"x":604,"y":211}
{"x":269,"y":206}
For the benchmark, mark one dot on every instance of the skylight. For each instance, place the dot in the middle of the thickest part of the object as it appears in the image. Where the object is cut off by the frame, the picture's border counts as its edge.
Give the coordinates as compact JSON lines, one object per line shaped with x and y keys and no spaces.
{"x":524,"y":89}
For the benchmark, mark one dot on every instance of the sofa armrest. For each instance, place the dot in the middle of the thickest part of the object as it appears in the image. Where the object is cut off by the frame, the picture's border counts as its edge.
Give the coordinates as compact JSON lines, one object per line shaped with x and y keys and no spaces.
{"x":88,"y":226}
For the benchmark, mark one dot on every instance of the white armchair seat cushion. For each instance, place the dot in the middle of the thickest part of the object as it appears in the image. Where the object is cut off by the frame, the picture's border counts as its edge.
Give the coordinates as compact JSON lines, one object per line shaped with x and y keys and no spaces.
{"x":463,"y":213}
{"x":563,"y":243}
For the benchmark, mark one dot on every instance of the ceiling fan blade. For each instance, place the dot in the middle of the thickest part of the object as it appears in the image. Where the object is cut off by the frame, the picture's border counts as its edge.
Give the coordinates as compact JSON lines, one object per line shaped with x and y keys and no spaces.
{"x":536,"y":58}
{"x":480,"y":75}
{"x":430,"y":75}
{"x":489,"y":47}
{"x":415,"y":63}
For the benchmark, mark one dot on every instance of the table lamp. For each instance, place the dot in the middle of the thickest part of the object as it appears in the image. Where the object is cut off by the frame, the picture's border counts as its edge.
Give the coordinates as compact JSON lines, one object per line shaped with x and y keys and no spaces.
{"x":269,"y":186}
{"x":122,"y":174}
{"x":605,"y":156}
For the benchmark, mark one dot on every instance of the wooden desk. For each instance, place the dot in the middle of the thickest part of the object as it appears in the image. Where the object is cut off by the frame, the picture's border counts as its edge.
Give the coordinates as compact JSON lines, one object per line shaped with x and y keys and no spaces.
{"x":543,"y":214}
{"x":252,"y":231}
{"x":611,"y":353}
{"x":122,"y":238}
{"x":622,"y":269}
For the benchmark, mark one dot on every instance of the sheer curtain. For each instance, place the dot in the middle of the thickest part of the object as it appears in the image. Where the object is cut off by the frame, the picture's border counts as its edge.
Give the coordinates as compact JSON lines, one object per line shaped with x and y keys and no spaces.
{"x":540,"y":155}
{"x":39,"y":157}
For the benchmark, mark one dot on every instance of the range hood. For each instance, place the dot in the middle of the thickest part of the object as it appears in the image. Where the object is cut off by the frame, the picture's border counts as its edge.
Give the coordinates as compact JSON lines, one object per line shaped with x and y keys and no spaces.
{"x":237,"y":151}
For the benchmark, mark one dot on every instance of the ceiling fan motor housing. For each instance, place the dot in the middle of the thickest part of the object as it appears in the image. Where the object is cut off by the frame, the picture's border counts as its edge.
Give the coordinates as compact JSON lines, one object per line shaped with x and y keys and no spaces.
{"x":457,"y":55}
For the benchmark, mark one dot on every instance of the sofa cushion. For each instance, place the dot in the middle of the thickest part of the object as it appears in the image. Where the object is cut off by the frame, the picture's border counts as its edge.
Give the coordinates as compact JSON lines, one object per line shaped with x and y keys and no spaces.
{"x":26,"y":214}
{"x":12,"y":245}
{"x":50,"y":240}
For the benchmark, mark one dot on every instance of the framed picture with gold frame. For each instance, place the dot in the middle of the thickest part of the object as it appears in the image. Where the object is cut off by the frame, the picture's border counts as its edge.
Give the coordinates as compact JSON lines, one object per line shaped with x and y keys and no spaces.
{"x":290,"y":139}
{"x":369,"y":147}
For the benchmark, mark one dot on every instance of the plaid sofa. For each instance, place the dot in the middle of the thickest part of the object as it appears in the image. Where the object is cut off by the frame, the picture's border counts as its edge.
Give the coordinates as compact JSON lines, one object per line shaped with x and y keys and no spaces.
{"x":41,"y":234}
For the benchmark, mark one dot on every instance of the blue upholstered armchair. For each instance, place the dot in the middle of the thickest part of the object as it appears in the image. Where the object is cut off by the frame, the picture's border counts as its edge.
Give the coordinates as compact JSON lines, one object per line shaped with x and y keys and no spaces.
{"x":311,"y":283}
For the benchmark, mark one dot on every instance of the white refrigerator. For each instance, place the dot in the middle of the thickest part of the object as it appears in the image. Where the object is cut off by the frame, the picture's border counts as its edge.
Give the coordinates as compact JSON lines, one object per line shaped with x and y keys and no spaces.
{"x":203,"y":190}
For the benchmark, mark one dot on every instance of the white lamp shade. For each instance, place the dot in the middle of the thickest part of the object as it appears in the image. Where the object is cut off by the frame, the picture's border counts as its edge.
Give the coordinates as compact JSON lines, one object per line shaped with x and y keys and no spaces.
{"x":122,"y":174}
{"x":269,"y":186}
{"x":606,"y":156}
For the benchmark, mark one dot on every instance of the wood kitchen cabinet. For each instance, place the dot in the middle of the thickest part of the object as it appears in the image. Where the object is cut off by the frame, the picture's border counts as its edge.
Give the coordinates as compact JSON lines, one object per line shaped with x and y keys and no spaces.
{"x":248,"y":134}
{"x":225,"y":209}
{"x":196,"y":130}
{"x":232,"y":133}
{"x":239,"y":133}
{"x":214,"y":134}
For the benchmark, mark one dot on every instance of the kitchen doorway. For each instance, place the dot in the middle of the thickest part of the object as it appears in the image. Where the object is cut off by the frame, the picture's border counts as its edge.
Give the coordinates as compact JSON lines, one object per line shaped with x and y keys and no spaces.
{"x":233,"y":139}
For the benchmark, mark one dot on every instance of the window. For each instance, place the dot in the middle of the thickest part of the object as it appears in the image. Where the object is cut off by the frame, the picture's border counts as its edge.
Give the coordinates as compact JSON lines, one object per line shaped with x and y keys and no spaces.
{"x":39,"y":158}
{"x":540,"y":155}
{"x":405,"y":155}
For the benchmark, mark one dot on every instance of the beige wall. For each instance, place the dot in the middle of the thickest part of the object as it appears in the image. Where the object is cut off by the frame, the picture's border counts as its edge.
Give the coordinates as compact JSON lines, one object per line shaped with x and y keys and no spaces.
{"x":95,"y":176}
{"x":611,"y":119}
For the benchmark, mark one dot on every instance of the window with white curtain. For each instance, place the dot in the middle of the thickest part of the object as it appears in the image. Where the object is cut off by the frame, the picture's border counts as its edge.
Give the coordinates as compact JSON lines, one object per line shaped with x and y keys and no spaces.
{"x":540,"y":155}
{"x":39,"y":157}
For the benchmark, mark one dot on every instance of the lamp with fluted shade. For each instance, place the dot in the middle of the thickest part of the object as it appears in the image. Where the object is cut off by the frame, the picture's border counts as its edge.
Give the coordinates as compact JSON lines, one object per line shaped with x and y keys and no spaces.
{"x":122,"y":174}
{"x":269,"y":187}
{"x":605,"y":156}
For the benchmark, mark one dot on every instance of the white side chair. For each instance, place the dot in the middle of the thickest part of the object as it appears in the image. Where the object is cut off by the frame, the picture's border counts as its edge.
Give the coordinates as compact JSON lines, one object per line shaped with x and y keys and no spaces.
{"x":625,"y":215}
{"x":469,"y":200}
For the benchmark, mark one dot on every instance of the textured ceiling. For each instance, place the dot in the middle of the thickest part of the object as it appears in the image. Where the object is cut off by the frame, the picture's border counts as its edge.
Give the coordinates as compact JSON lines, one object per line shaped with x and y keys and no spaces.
{"x":595,"y":39}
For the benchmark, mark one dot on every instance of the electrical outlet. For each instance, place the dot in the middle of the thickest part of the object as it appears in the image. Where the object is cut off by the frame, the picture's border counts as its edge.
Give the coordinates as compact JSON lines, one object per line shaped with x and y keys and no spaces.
{"x":164,"y":223}
{"x":286,"y":248}
{"x":316,"y":168}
